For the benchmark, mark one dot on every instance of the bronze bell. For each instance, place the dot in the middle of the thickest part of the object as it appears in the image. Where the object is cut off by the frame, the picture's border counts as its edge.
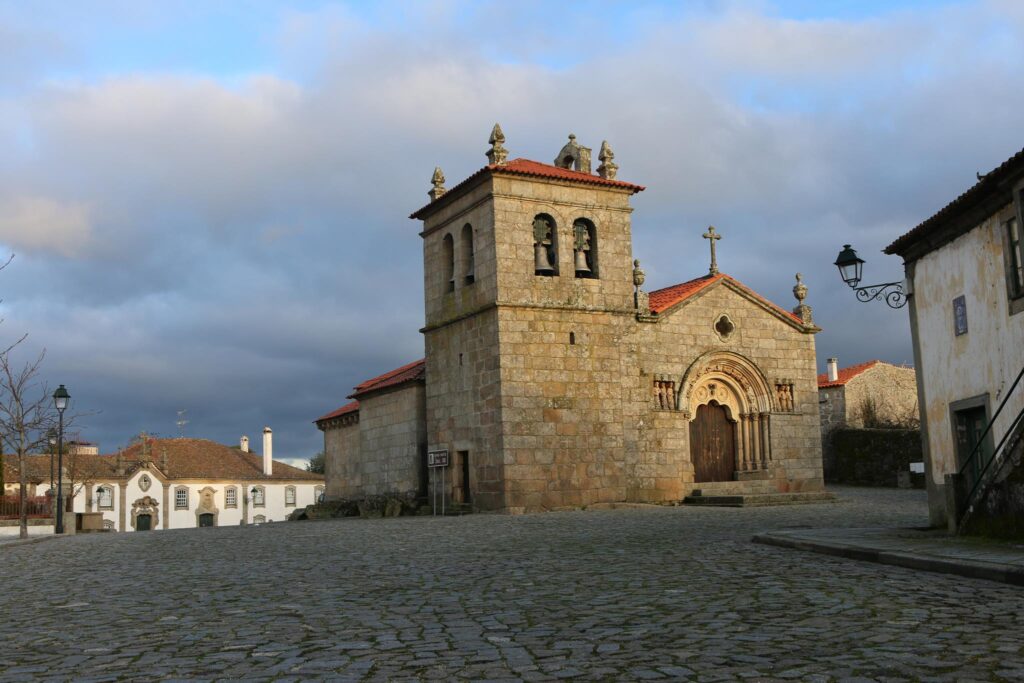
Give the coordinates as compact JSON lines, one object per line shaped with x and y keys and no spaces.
{"x":581,"y":262}
{"x":541,"y":261}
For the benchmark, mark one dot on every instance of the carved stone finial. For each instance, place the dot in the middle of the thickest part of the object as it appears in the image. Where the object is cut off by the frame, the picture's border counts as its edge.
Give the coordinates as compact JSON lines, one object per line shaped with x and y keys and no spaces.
{"x":800,"y":290}
{"x":163,"y":459}
{"x":437,"y":180}
{"x":574,"y":156}
{"x":638,"y":273}
{"x":497,"y":154}
{"x":802,"y":310}
{"x":608,"y":168}
{"x":641,"y":300}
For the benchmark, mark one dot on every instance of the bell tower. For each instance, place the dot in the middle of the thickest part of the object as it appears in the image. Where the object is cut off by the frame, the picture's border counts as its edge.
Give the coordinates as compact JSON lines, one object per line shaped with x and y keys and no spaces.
{"x":529,"y":291}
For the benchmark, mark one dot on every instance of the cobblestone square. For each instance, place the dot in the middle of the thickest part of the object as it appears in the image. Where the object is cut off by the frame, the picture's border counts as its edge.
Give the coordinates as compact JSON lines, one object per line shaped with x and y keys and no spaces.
{"x":635,"y":594}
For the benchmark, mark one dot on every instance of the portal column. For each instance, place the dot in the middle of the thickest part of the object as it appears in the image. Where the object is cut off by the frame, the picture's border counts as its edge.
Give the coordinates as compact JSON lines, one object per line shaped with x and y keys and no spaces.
{"x":755,"y":439}
{"x":766,"y":437}
{"x":741,"y":443}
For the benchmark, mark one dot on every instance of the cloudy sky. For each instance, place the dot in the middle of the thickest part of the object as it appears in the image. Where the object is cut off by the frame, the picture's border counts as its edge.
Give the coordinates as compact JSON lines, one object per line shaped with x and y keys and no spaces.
{"x":208,"y":202}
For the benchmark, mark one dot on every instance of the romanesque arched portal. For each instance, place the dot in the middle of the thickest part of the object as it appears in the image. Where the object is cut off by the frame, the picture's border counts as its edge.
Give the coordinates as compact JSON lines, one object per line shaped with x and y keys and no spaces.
{"x":728,"y":402}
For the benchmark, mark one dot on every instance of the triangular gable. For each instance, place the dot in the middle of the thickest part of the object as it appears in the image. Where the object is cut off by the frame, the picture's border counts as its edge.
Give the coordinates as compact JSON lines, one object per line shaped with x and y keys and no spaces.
{"x":664,"y":302}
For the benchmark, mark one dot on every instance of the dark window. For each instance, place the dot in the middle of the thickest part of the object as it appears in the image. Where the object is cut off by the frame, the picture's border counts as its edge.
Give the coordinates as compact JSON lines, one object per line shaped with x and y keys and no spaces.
{"x":545,"y":245}
{"x":1015,"y":263}
{"x":448,"y":251}
{"x":466,"y":246}
{"x":584,"y":236}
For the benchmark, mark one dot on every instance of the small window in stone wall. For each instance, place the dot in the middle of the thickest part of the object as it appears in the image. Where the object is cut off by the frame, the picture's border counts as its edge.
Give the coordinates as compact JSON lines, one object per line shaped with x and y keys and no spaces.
{"x":181,"y":498}
{"x":289,"y":496}
{"x":466,"y":246}
{"x":448,"y":254}
{"x":664,"y":393}
{"x":724,"y":327}
{"x":231,"y":497}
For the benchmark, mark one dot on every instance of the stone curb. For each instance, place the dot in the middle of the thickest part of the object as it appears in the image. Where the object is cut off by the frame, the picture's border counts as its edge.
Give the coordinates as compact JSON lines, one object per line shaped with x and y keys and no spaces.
{"x":909,"y":560}
{"x":27,"y":541}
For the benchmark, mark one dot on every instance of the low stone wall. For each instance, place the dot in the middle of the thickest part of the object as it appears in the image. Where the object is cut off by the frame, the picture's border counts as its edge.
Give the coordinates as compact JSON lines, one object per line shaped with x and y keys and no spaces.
{"x":874,"y":457}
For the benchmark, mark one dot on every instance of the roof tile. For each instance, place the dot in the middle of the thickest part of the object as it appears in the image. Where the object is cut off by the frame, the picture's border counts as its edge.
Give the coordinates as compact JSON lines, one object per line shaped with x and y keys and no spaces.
{"x":663,"y":299}
{"x":845,"y":374}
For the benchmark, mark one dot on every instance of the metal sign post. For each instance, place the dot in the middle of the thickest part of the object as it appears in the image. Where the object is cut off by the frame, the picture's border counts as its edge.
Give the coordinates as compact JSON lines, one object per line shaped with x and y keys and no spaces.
{"x":437,"y":460}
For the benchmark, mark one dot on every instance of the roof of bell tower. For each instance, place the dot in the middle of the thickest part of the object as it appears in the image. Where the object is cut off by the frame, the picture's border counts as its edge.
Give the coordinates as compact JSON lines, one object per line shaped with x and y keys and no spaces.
{"x":525,"y":167}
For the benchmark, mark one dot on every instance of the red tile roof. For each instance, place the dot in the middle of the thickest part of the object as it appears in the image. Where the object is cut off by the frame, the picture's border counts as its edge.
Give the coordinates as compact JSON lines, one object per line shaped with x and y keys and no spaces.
{"x":663,"y":299}
{"x":186,"y":459}
{"x":988,"y":195}
{"x":526,"y":167}
{"x":413,"y":372}
{"x":204,"y":459}
{"x":350,"y":407}
{"x":845,"y":374}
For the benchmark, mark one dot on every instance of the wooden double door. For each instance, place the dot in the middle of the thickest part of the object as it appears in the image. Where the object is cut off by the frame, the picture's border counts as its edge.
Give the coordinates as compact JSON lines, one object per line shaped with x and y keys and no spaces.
{"x":712,"y":444}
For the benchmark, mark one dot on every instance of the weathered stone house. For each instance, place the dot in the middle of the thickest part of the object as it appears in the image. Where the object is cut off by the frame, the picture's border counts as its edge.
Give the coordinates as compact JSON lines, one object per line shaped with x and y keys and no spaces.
{"x":874,"y":394}
{"x":966,"y":294}
{"x":866,"y":395}
{"x":553,"y":380}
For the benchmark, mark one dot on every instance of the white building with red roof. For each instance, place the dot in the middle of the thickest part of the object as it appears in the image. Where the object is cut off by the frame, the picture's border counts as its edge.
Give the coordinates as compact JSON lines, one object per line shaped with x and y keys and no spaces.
{"x":551,"y":379}
{"x":185,"y":483}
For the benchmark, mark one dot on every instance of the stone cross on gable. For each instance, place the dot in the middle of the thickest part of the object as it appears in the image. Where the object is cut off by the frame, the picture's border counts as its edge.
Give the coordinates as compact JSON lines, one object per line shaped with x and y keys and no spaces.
{"x":712,"y":237}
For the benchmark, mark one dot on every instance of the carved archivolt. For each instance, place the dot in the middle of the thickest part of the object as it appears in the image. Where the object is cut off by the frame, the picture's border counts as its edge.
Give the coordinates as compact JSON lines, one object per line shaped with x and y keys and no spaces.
{"x":729,"y":378}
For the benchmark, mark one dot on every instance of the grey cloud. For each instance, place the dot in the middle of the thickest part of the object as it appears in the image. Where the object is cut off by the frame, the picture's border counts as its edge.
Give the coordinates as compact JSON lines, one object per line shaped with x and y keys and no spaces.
{"x":255,"y":258}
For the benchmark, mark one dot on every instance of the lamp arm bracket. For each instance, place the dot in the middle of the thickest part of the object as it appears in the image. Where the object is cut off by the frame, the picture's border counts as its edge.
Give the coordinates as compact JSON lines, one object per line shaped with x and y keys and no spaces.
{"x":891,"y":292}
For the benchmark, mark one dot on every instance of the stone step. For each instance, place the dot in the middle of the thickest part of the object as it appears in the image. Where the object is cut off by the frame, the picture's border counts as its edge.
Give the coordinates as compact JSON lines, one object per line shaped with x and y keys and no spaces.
{"x":759,"y":499}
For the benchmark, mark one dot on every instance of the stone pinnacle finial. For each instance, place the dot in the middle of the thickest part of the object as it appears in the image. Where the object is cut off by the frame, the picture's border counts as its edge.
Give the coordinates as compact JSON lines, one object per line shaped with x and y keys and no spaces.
{"x":802,"y":309}
{"x":497,"y":154}
{"x":608,"y":167}
{"x":641,"y":300}
{"x":437,"y":180}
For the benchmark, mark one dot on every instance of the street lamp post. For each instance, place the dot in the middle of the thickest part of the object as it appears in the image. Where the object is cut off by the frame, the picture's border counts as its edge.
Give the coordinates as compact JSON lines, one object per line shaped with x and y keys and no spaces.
{"x":60,"y":400}
{"x":51,"y":437}
{"x":850,"y":269}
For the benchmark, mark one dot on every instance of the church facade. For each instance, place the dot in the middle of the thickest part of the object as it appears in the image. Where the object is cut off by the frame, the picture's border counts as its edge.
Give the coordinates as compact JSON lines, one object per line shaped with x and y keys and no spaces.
{"x":553,"y":380}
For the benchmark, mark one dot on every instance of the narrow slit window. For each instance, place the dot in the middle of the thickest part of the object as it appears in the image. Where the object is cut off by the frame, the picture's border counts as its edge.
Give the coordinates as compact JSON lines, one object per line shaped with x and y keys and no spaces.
{"x":468,"y":266}
{"x":448,"y":254}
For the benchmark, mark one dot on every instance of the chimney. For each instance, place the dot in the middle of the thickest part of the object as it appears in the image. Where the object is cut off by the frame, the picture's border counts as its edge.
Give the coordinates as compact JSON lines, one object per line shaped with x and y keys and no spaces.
{"x":833,"y":369}
{"x":268,"y":452}
{"x":244,"y":444}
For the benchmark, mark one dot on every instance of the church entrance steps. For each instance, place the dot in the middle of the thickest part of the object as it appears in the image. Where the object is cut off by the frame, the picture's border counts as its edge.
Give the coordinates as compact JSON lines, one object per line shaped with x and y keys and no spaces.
{"x":730,"y":488}
{"x":759,"y":499}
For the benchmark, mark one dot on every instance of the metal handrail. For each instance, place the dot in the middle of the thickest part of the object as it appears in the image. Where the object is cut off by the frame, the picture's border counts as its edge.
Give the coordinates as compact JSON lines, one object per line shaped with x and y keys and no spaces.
{"x":977,"y":450}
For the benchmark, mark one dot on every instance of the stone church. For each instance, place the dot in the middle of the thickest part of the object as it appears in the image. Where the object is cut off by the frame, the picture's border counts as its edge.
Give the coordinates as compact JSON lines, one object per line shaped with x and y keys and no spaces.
{"x":553,"y":380}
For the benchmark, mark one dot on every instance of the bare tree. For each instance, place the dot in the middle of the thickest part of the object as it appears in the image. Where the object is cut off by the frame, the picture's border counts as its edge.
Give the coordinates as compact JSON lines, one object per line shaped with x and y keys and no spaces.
{"x":26,"y":415}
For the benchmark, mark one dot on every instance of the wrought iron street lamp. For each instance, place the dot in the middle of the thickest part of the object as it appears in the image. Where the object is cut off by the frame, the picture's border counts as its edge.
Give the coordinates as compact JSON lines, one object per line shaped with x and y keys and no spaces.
{"x":51,"y":438}
{"x":60,"y":401}
{"x":851,"y":268}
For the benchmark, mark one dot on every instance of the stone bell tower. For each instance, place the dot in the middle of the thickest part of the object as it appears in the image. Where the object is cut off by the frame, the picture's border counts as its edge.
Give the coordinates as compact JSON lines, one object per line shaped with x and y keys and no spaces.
{"x":529,"y":301}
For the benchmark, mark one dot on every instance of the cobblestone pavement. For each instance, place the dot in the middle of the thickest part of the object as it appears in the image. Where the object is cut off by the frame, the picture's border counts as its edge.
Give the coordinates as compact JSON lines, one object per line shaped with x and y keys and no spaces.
{"x":656,"y":593}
